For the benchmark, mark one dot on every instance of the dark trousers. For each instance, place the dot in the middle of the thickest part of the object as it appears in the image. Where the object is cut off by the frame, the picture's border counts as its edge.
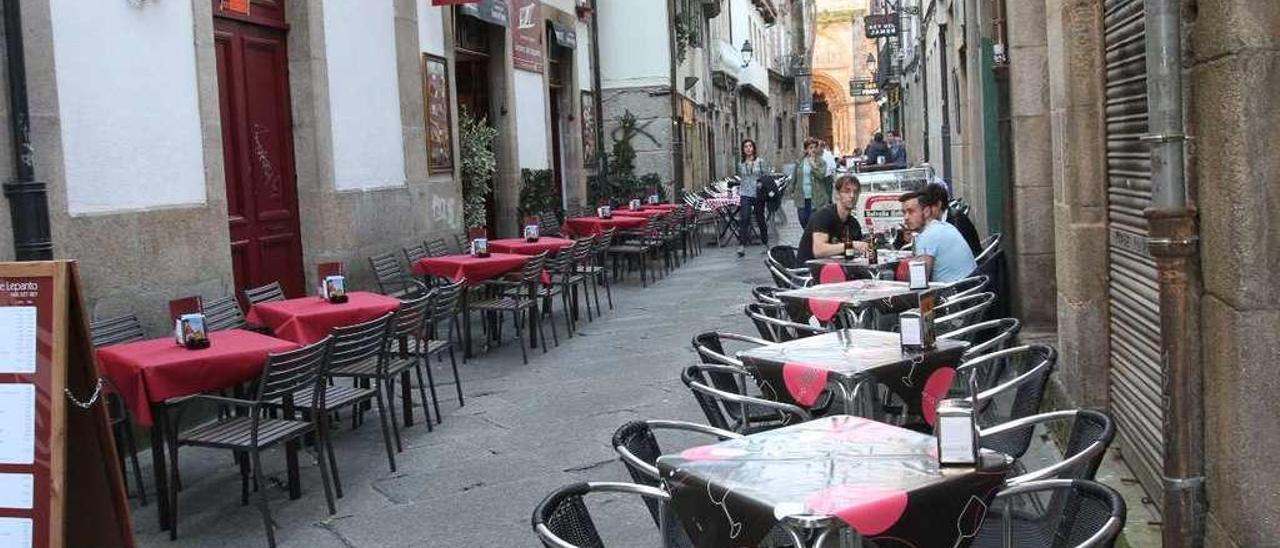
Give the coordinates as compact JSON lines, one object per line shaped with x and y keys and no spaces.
{"x":803,"y":213}
{"x":746,"y":208}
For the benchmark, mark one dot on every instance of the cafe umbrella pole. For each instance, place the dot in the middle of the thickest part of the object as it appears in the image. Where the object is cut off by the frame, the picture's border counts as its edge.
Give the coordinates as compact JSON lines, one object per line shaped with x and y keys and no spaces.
{"x":28,"y":198}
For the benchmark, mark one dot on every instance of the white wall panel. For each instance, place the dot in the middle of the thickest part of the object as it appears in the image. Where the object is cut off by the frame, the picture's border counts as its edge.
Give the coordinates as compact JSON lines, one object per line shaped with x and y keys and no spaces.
{"x":531,"y":120}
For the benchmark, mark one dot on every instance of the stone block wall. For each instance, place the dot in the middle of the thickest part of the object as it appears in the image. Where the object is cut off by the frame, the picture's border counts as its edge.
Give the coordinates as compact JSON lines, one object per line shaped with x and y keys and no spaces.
{"x":652,"y":108}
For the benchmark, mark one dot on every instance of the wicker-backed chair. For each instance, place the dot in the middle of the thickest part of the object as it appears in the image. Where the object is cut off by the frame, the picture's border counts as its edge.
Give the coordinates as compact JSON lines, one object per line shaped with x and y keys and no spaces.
{"x":283,"y":377}
{"x":266,"y":293}
{"x":562,"y":520}
{"x":968,"y":286}
{"x":767,"y":294}
{"x":959,"y":312}
{"x":1092,"y":431}
{"x":638,"y":449}
{"x":984,"y":337}
{"x":715,"y":402}
{"x":223,"y":313}
{"x":118,"y":330}
{"x":1012,"y":399}
{"x":519,"y":303}
{"x":1080,"y":514}
{"x":772,"y":327}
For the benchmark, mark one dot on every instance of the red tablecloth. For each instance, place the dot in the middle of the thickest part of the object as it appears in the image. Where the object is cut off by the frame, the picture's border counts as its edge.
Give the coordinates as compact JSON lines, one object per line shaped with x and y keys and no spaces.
{"x":660,"y":207}
{"x":645,"y":213}
{"x":308,"y":319}
{"x":155,"y":370}
{"x":520,"y":246}
{"x":474,"y":269}
{"x":590,"y":226}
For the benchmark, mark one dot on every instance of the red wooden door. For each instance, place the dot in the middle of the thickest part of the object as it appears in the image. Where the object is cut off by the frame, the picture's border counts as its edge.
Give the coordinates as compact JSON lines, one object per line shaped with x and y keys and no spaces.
{"x":257,"y":139}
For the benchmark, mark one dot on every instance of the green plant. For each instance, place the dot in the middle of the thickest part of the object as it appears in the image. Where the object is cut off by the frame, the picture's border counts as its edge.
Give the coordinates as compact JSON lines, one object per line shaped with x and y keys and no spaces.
{"x":537,"y":192}
{"x":478,"y":166}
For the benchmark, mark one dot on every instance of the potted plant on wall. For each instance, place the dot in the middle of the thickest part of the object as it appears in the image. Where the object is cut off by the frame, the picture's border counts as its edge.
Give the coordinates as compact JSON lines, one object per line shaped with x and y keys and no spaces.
{"x":478,"y":166}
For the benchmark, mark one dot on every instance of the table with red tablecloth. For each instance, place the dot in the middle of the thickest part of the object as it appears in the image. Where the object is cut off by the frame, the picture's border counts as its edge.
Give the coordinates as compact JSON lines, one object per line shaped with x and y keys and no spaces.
{"x":156,"y":370}
{"x":660,"y":207}
{"x":308,"y":319}
{"x":642,"y":213}
{"x":590,"y":226}
{"x":474,"y":269}
{"x":521,"y":246}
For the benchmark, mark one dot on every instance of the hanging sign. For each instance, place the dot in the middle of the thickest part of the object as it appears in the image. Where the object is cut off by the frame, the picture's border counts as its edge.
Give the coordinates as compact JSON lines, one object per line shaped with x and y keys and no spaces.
{"x":235,"y":6}
{"x":527,"y":31}
{"x":566,"y":36}
{"x":489,"y":11}
{"x":863,"y":87}
{"x":804,"y":92}
{"x":881,"y":25}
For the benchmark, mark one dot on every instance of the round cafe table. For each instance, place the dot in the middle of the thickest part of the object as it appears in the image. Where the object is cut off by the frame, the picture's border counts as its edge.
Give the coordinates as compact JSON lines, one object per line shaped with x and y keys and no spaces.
{"x":521,"y":246}
{"x":590,"y":226}
{"x":308,"y":319}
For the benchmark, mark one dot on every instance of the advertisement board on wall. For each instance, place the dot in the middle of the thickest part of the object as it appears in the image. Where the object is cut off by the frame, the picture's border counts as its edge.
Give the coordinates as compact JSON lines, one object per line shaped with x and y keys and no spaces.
{"x":527,"y":30}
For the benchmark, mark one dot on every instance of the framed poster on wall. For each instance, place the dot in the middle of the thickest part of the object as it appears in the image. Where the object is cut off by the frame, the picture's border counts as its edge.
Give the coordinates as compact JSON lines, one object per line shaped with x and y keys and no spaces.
{"x":439,"y":128}
{"x":588,"y":130}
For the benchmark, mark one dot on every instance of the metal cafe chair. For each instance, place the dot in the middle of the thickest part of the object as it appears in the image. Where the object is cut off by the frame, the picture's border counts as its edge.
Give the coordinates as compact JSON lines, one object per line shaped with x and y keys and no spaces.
{"x":117,"y":330}
{"x":984,"y":337}
{"x":440,"y":330}
{"x":1013,"y":399}
{"x":715,"y":401}
{"x":1091,"y":433}
{"x":767,"y":294}
{"x":990,"y":245}
{"x":562,"y":520}
{"x":958,"y":312}
{"x":1081,"y":514}
{"x":437,"y":248}
{"x":284,"y":375}
{"x":415,"y":252}
{"x":266,"y":293}
{"x":768,"y":321}
{"x":638,"y":449}
{"x":787,"y":279}
{"x":223,"y":313}
{"x":519,"y":304}
{"x":710,"y":346}
{"x":967,"y":286}
{"x":392,"y":279}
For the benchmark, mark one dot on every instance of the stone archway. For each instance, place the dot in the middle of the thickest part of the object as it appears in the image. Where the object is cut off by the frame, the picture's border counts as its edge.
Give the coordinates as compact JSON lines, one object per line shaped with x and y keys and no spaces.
{"x":836,"y":98}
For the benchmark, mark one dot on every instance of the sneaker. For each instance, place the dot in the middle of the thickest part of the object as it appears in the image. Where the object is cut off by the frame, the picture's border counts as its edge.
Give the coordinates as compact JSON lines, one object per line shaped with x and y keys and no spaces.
{"x":742,"y":251}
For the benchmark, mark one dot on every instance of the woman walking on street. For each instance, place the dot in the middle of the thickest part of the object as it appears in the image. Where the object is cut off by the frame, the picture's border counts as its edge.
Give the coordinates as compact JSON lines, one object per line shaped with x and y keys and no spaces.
{"x":749,"y":171}
{"x":812,"y":187}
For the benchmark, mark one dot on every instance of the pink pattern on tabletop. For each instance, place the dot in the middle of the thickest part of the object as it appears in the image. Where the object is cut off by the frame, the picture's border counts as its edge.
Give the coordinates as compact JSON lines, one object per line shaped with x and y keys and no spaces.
{"x":935,"y":390}
{"x":831,"y":273}
{"x":823,"y":309}
{"x":804,"y":382}
{"x":868,"y":509}
{"x":711,"y":452}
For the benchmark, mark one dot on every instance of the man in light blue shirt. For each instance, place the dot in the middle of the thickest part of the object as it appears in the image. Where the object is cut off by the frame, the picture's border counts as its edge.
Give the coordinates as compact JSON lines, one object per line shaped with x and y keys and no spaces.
{"x":946,"y":255}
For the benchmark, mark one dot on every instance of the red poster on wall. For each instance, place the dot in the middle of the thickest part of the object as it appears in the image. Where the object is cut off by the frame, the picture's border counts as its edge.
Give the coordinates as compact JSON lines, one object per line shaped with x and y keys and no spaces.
{"x":527,"y":31}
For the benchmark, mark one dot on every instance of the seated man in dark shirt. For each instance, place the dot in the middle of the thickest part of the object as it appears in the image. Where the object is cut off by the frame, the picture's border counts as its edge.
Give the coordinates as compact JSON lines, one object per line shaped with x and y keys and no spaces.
{"x":834,"y":224}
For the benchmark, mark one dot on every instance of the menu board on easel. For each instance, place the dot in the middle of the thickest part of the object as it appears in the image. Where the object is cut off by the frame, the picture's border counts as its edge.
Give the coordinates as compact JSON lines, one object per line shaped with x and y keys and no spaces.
{"x":59,"y":484}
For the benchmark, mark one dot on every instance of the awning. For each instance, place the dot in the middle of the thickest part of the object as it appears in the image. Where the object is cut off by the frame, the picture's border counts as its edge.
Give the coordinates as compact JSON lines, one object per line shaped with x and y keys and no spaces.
{"x":489,"y":11}
{"x":565,"y":36}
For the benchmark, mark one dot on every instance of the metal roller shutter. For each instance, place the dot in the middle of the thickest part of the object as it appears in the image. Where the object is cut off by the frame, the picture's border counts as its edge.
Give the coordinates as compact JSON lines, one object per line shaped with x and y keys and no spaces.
{"x":1136,"y":374}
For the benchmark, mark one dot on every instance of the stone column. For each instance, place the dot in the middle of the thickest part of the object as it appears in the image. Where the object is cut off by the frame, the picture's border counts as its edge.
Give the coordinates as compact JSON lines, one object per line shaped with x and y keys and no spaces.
{"x":1233,"y":113}
{"x":1031,"y":233}
{"x":1076,"y":101}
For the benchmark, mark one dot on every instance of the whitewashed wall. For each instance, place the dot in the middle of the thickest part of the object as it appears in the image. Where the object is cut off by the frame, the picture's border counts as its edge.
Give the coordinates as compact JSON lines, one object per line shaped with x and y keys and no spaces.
{"x":567,"y":6}
{"x":582,"y":55}
{"x":364,"y":95}
{"x":531,"y":120}
{"x":745,"y":18}
{"x":127,"y":104}
{"x":634,"y":47}
{"x":430,"y":28}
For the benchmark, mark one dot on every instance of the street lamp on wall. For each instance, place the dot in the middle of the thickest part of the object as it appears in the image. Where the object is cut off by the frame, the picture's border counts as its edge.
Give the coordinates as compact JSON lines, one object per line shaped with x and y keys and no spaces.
{"x":871,"y":64}
{"x":747,"y":52}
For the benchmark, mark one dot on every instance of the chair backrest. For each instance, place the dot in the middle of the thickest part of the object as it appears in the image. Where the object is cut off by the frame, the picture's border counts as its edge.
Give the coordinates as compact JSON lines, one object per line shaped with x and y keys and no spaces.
{"x":959,"y":312}
{"x":120,"y":329}
{"x":603,"y":240}
{"x":415,"y":252}
{"x":984,"y":337}
{"x":411,"y":319}
{"x":437,"y":248}
{"x":771,"y":325}
{"x":786,"y":256}
{"x":262,"y":294}
{"x":355,"y":343}
{"x":638,"y":449}
{"x":1018,"y":397}
{"x":444,"y":301}
{"x":1083,"y":514}
{"x":968,"y":286}
{"x":548,"y":224}
{"x":767,"y":294}
{"x":990,"y":245}
{"x":582,"y":251}
{"x":388,"y":273}
{"x":288,"y":372}
{"x":560,"y":265}
{"x":710,"y":405}
{"x":562,"y":519}
{"x":462,"y":241}
{"x":532,"y":271}
{"x":222,"y":313}
{"x":1092,"y":431}
{"x":716,"y":403}
{"x":785,"y":279}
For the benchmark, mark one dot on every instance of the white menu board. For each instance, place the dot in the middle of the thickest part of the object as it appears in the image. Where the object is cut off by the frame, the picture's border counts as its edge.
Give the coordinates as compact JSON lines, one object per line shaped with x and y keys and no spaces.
{"x":17,"y":424}
{"x":18,"y":339}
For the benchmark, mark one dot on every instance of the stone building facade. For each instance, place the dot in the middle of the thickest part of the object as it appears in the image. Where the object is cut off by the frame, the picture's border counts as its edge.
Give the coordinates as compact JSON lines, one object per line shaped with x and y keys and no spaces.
{"x":847,"y":122}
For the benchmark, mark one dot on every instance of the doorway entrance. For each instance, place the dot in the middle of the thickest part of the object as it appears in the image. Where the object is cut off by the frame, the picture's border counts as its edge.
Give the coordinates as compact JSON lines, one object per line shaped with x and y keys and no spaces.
{"x":257,"y":142}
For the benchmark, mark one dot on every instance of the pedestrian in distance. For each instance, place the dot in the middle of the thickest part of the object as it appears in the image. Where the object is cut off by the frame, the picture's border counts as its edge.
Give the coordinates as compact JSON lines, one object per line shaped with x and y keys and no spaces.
{"x":877,"y":151}
{"x":750,"y":170}
{"x":812,"y":182}
{"x":897,"y":150}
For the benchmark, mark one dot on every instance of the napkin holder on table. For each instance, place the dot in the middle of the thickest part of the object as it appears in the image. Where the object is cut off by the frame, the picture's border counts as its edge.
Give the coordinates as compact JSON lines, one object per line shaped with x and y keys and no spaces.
{"x":653,"y":199}
{"x":917,"y":275}
{"x":480,"y":247}
{"x":189,"y":331}
{"x":956,"y":433}
{"x":531,"y":233}
{"x":334,"y":289}
{"x":604,"y":212}
{"x":634,"y":205}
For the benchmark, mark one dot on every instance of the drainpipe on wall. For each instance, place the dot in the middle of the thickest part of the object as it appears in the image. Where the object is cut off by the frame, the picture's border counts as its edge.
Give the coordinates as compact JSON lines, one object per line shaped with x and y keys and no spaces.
{"x":677,"y":134}
{"x":598,"y":96}
{"x":28,"y":198}
{"x":1174,"y":242}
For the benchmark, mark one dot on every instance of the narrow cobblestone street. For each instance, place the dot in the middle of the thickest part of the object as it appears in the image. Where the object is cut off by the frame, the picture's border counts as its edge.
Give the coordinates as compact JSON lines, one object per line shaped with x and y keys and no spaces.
{"x":525,"y":430}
